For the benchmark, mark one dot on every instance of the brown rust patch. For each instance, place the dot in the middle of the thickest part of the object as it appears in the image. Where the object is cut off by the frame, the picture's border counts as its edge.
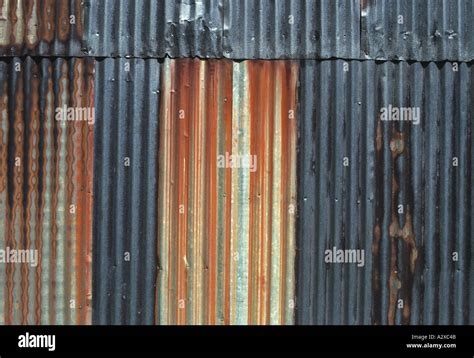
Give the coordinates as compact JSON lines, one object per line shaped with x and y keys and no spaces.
{"x":27,"y":24}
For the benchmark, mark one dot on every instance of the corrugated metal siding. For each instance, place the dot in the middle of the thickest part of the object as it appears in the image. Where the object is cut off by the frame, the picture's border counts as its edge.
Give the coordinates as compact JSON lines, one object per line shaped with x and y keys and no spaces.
{"x":209,"y":245}
{"x":45,"y":191}
{"x":226,"y":235}
{"x":421,"y":30}
{"x":236,"y":29}
{"x":299,"y":29}
{"x":41,"y":27}
{"x":143,"y":28}
{"x":125,"y":191}
{"x":409,"y":255}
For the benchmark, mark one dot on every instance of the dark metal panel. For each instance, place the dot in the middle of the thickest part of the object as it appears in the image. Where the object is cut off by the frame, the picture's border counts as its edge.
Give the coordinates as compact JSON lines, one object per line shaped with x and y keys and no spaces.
{"x":41,"y":27}
{"x":419,"y":30}
{"x":251,"y":29}
{"x":299,"y":29}
{"x":125,"y":191}
{"x":404,"y":196}
{"x":46,"y":190}
{"x":143,"y":28}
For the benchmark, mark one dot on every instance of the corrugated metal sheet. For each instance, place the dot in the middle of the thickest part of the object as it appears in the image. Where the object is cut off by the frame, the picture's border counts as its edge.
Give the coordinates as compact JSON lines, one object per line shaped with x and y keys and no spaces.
{"x":219,"y":246}
{"x":421,"y":30}
{"x":45,"y":191}
{"x":125,"y":191}
{"x":411,"y":273}
{"x":142,"y":28}
{"x":236,"y":29}
{"x":298,"y":29}
{"x":226,"y":235}
{"x":41,"y":27}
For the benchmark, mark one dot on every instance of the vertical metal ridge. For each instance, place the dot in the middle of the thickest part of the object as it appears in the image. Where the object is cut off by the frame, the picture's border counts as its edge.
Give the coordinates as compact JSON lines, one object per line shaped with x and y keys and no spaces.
{"x":125,"y":190}
{"x":43,"y":207}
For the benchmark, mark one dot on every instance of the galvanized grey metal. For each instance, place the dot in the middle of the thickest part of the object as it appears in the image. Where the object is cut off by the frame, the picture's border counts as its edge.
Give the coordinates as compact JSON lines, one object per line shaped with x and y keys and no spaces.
{"x":235,"y":29}
{"x":292,"y":29}
{"x":143,"y":28}
{"x":125,"y":191}
{"x":401,"y":191}
{"x":420,"y":30}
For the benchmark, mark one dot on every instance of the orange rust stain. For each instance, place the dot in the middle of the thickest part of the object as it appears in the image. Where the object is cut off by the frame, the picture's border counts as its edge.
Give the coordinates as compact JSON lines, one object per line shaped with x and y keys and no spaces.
{"x":63,"y":19}
{"x":47,"y":23}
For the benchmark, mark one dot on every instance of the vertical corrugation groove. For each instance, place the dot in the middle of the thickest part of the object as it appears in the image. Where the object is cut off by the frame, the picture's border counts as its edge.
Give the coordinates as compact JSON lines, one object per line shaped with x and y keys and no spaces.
{"x":46,"y":196}
{"x":125,"y":190}
{"x":400,"y":195}
{"x":226,"y":243}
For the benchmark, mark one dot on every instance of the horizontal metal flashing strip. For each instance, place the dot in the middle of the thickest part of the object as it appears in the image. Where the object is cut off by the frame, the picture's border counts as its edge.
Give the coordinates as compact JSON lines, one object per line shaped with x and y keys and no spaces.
{"x":385,"y":166}
{"x":45,"y":191}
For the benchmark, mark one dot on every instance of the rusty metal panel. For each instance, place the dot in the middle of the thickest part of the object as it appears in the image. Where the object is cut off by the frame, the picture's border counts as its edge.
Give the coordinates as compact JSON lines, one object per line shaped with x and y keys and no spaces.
{"x":125,"y":191}
{"x":398,"y":189}
{"x":143,"y":28}
{"x":420,"y":30}
{"x":46,"y":190}
{"x":41,"y":27}
{"x":291,"y":29}
{"x":226,"y":235}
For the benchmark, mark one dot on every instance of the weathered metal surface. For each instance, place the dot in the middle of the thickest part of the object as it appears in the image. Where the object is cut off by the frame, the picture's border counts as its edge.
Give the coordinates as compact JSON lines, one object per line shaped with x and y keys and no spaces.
{"x":403,"y":194}
{"x":143,"y":28}
{"x":226,"y":229}
{"x":420,"y":30}
{"x":45,"y":191}
{"x":125,"y":191}
{"x":41,"y":27}
{"x":297,"y":29}
{"x":236,"y":29}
